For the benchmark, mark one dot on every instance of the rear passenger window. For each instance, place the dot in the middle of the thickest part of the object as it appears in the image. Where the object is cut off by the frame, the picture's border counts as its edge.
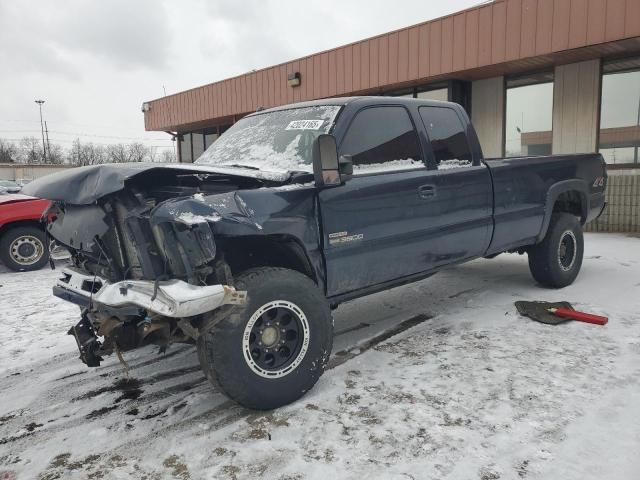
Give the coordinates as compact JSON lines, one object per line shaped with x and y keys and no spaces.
{"x":382,"y":138}
{"x":447,"y":137}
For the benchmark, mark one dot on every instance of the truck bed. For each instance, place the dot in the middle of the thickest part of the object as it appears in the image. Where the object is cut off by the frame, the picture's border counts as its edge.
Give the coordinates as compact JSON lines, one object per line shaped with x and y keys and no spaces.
{"x":525,"y":190}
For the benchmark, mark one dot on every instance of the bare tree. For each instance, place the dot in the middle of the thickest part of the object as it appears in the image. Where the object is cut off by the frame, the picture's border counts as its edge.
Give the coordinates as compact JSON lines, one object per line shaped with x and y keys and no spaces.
{"x":75,"y":153}
{"x":168,"y":156}
{"x":8,"y":151}
{"x":55,"y":154}
{"x":138,"y":152}
{"x":152,"y":154}
{"x":30,"y":151}
{"x":117,"y":153}
{"x":83,"y":154}
{"x":93,"y":154}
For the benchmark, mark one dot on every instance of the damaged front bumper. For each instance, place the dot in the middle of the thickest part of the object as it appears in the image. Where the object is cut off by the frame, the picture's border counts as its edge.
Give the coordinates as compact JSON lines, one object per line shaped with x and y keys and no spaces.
{"x":171,"y":298}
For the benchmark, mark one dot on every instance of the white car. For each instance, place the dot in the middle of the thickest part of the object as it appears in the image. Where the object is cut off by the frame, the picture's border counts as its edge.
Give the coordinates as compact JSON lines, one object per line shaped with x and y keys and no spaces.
{"x":7,"y":186}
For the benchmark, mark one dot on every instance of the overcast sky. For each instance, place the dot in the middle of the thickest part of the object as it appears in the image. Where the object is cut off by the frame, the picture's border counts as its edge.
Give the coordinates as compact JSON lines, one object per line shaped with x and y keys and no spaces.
{"x":95,"y":62}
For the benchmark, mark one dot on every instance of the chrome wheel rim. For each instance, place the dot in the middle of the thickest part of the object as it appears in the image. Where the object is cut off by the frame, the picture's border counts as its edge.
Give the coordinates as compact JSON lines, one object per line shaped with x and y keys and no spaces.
{"x":26,"y":250}
{"x":567,"y":251}
{"x":276,"y":339}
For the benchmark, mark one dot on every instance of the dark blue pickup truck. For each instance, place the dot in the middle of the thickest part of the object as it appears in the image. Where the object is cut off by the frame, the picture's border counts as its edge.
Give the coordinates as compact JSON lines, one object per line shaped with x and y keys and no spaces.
{"x":289,"y":213}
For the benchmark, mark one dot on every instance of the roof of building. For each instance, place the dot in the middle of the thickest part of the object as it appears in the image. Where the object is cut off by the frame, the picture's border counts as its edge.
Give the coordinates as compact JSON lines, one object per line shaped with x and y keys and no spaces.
{"x":504,"y":37}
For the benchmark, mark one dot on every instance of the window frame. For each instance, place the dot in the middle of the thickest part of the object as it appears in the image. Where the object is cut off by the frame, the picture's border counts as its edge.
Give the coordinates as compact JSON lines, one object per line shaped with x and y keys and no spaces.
{"x":423,"y":155}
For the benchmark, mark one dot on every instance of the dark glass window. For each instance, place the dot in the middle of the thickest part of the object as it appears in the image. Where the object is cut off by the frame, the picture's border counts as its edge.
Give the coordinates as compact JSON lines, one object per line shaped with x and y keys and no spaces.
{"x":446,"y":134}
{"x":381,"y":135}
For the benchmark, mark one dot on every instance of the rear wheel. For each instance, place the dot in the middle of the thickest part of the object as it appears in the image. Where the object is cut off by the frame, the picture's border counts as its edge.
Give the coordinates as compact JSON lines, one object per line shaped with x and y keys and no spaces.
{"x":274,"y":348}
{"x":555,"y":262}
{"x":23,"y":249}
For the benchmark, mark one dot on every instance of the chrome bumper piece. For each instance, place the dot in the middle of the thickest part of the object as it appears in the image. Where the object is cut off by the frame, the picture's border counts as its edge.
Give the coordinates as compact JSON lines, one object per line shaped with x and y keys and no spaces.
{"x":171,"y":298}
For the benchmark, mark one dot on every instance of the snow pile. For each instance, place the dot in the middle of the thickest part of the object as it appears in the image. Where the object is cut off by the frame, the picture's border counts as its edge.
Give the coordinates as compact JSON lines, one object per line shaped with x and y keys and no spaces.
{"x":453,"y":163}
{"x":393,"y":165}
{"x":472,"y":391}
{"x":292,"y":186}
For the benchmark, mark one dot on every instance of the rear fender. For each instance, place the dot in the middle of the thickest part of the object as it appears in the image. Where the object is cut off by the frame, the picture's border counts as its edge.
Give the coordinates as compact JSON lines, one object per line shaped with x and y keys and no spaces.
{"x":557,"y":189}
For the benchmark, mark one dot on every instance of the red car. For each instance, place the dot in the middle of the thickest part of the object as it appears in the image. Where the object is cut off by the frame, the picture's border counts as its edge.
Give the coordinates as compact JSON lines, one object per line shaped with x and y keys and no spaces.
{"x":23,"y":243}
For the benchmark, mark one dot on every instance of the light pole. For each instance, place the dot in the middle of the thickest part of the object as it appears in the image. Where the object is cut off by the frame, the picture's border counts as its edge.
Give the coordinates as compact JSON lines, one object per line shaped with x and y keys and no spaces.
{"x":44,"y":147}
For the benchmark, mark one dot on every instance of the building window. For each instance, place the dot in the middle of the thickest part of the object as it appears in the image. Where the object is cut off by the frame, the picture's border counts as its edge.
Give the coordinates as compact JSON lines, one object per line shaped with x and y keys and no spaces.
{"x":210,"y":136}
{"x":197,"y":139}
{"x":193,"y":144}
{"x":441,"y":94}
{"x":381,"y":138}
{"x":619,"y":140}
{"x":428,"y":92}
{"x":529,"y":115}
{"x":185,"y":148}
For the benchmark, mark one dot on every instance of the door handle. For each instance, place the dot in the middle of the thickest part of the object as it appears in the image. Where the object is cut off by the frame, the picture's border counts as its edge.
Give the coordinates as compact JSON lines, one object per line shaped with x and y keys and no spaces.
{"x":427,"y":192}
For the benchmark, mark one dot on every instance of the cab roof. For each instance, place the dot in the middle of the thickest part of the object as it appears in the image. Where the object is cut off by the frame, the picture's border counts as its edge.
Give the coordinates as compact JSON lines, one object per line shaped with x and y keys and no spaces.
{"x":362,"y":100}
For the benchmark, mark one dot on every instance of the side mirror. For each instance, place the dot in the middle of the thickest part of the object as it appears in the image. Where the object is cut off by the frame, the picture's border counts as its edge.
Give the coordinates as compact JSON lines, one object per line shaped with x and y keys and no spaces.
{"x":326,"y":169}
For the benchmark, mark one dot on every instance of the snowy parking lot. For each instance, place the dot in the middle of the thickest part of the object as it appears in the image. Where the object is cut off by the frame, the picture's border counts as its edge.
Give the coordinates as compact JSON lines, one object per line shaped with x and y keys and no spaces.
{"x":438,"y":379}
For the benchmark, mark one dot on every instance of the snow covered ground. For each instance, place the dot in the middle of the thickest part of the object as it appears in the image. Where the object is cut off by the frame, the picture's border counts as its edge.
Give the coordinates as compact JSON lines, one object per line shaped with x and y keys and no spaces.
{"x":470,"y":390}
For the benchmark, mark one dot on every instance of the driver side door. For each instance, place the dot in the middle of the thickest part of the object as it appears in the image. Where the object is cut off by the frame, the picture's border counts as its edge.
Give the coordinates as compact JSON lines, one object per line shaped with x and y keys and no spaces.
{"x":373,"y":225}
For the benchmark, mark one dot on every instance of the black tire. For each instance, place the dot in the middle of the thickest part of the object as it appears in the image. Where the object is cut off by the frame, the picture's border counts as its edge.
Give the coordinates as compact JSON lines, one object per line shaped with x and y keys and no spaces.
{"x":268,"y":375}
{"x":555,"y":262}
{"x":24,"y":249}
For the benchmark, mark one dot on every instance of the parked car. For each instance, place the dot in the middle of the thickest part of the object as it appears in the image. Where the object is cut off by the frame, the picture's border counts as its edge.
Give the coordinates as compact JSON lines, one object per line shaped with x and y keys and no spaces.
{"x":289,"y":213}
{"x":23,"y":241}
{"x":7,"y":186}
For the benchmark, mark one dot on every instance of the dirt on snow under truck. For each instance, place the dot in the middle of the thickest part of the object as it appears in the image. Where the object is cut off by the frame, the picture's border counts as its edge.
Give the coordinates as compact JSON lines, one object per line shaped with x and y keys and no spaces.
{"x":290,"y":212}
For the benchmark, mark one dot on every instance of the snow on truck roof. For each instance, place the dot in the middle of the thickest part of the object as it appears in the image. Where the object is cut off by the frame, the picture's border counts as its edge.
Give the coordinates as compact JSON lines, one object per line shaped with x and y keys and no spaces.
{"x":343,"y":101}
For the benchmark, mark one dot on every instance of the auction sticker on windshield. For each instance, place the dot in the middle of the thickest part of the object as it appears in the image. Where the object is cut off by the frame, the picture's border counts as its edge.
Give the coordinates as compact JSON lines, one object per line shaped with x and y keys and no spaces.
{"x":305,"y":125}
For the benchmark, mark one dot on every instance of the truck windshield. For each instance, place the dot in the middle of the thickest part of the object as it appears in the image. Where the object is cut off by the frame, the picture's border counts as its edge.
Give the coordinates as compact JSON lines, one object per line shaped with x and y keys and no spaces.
{"x":272,"y":141}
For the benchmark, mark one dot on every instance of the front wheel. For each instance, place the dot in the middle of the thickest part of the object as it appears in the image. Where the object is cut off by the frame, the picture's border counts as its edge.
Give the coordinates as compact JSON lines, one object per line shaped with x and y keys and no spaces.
{"x":23,"y":249}
{"x":555,"y":262}
{"x":274,"y":348}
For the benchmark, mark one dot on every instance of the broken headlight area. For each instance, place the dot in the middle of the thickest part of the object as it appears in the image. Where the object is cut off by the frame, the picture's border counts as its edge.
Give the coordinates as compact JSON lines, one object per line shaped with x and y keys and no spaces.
{"x":129,"y":237}
{"x":134,"y":313}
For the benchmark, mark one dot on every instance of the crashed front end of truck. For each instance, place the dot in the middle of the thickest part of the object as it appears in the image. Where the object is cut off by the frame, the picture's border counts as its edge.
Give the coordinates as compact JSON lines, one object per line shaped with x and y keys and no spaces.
{"x":225,"y":254}
{"x":145,"y":265}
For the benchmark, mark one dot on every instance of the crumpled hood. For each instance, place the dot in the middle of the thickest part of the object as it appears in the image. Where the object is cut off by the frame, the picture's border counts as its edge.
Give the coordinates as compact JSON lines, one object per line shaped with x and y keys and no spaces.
{"x":85,"y":185}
